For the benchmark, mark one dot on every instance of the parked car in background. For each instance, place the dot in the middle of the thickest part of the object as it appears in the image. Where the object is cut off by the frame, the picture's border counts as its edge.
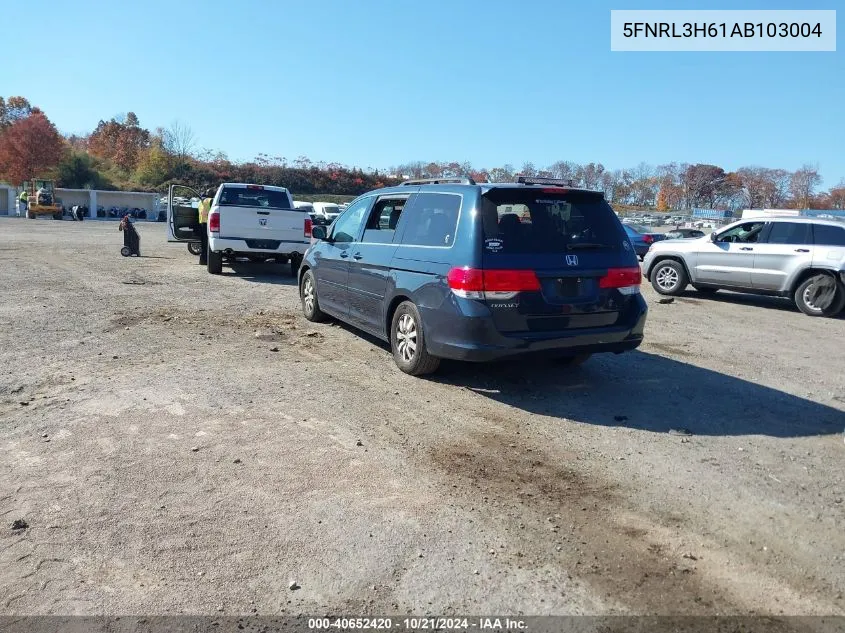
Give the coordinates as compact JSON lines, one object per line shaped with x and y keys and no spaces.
{"x":800,"y":258}
{"x":641,"y":238}
{"x":326,"y":210}
{"x":306,"y":206}
{"x":676,"y":234}
{"x":453,"y":269}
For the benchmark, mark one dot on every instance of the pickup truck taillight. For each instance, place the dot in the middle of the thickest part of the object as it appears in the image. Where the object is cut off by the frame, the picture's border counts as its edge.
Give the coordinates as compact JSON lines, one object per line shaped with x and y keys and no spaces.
{"x":308,"y":224}
{"x":214,"y":222}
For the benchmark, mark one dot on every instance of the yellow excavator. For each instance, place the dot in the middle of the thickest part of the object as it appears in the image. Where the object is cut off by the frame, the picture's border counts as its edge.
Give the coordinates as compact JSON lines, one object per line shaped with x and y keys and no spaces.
{"x":42,"y":199}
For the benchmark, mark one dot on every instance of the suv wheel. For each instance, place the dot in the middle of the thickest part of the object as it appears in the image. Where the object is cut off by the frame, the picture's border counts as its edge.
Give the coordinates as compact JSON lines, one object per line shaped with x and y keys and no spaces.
{"x":820,"y":295}
{"x":669,"y":277}
{"x":310,"y":303}
{"x":407,"y":340}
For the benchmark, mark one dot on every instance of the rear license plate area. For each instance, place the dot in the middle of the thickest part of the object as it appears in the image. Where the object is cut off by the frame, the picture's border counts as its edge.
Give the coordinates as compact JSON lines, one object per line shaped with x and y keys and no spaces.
{"x":265,"y":245}
{"x":570,"y":286}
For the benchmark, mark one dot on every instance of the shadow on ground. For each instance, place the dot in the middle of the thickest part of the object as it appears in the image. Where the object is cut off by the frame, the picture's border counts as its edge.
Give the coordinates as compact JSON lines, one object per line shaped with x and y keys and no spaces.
{"x":263,"y":272}
{"x":648,"y":392}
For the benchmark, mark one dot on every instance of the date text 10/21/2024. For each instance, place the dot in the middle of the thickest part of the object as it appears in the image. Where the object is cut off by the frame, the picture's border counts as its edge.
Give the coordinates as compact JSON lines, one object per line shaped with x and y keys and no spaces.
{"x":418,"y":624}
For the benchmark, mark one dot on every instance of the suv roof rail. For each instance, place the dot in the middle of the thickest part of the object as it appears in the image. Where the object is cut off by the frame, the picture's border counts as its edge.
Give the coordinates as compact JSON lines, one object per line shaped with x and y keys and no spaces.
{"x":439,"y":181}
{"x":531,"y":180}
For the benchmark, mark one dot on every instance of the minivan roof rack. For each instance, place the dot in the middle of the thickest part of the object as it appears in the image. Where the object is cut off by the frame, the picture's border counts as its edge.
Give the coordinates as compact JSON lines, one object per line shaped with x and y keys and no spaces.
{"x":439,"y":181}
{"x":531,"y":180}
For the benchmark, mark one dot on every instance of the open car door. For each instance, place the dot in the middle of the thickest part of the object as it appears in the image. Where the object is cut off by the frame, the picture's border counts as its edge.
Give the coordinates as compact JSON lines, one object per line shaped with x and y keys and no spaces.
{"x":182,"y":214}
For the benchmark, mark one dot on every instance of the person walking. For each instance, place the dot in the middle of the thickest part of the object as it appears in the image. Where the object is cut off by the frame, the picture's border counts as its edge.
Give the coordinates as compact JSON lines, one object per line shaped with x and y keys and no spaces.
{"x":202,"y":231}
{"x":23,"y":201}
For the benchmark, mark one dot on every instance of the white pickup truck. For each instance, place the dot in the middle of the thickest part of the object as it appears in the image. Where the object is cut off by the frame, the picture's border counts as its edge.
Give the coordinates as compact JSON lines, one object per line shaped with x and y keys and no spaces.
{"x":257,"y":222}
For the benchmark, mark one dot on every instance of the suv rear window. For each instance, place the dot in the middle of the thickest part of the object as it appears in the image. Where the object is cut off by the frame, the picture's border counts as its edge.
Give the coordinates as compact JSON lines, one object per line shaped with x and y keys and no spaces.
{"x":245,"y":197}
{"x":828,"y":235}
{"x":518,"y":221}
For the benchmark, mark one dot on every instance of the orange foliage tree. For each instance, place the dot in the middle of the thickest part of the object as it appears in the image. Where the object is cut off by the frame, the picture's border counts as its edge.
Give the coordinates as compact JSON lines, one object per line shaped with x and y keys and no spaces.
{"x":29,"y":147}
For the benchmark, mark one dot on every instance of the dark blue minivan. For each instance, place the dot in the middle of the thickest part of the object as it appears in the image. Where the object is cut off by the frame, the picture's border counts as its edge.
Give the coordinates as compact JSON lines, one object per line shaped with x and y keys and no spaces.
{"x":447,"y":268}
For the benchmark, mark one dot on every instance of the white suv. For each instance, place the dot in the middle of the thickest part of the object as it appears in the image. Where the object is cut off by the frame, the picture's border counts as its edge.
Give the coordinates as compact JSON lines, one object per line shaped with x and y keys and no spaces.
{"x":801,"y":258}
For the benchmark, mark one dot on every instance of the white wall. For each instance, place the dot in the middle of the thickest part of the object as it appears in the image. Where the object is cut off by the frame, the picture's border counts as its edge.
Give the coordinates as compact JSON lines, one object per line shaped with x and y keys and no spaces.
{"x":92,"y":199}
{"x":7,"y":200}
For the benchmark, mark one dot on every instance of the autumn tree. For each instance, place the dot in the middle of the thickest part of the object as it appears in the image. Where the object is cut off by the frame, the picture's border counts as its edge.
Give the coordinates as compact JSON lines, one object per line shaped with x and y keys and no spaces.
{"x":120,"y":140}
{"x":13,"y":110}
{"x":662,"y":204}
{"x":802,"y":185}
{"x":836,"y":196}
{"x":179,"y":141}
{"x":703,"y":184}
{"x":28,"y":148}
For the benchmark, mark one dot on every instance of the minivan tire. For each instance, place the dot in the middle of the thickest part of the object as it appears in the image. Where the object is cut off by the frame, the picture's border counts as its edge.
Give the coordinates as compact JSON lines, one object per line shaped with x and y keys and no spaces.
{"x":407,"y":340}
{"x":668,"y":277}
{"x":804,"y":296}
{"x":214,"y":263}
{"x":308,"y":296}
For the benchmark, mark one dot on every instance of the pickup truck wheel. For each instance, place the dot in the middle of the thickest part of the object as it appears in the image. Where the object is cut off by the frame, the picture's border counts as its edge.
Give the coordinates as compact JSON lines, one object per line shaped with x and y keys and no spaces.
{"x":194,"y":248}
{"x":820,"y":295}
{"x":669,"y":277}
{"x":295,"y":262}
{"x":308,"y":295}
{"x":215,"y":263}
{"x":407,"y":340}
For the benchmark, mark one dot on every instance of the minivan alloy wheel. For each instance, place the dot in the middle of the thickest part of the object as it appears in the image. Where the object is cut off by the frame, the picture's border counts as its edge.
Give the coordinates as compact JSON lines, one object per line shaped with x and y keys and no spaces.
{"x":666,"y":277}
{"x":308,"y":294}
{"x":406,"y":336}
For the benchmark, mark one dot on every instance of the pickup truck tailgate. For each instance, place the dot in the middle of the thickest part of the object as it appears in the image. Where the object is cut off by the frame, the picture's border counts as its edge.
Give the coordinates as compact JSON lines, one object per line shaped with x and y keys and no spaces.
{"x":262,"y":228}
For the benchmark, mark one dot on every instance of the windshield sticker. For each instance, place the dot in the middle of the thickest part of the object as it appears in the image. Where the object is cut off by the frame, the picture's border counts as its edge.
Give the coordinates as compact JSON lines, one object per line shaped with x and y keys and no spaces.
{"x":494,"y":244}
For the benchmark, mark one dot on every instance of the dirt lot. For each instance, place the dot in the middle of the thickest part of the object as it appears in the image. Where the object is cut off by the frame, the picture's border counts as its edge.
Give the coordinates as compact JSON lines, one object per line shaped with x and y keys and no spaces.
{"x":181,"y":443}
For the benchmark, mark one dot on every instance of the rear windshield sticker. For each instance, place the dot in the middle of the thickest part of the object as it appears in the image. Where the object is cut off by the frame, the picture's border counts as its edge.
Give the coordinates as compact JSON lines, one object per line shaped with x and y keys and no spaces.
{"x":494,"y":244}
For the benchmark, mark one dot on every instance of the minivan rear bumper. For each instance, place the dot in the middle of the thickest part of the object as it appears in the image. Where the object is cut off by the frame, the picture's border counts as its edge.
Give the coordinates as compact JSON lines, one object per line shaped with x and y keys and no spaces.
{"x":476,"y":339}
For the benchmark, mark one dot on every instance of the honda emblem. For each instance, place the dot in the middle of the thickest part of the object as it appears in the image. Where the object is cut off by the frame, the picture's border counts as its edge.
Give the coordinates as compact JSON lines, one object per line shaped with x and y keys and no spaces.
{"x":572,"y":260}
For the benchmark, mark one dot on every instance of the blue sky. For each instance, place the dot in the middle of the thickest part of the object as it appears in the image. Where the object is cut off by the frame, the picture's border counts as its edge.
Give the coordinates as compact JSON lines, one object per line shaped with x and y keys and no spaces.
{"x":375,"y":83}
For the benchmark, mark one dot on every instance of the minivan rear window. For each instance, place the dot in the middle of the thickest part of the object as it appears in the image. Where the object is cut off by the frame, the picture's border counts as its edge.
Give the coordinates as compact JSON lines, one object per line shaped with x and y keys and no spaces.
{"x":531,"y":220}
{"x":243,"y":197}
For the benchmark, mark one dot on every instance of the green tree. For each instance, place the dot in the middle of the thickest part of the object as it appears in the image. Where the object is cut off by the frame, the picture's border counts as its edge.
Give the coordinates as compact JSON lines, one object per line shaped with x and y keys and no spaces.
{"x":153,"y":167}
{"x":76,"y":171}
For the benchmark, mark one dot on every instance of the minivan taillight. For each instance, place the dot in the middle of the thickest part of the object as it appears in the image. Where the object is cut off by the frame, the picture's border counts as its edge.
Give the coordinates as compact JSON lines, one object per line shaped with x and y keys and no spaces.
{"x":625,"y":280}
{"x":308,"y":225}
{"x":214,"y":222}
{"x":475,"y":283}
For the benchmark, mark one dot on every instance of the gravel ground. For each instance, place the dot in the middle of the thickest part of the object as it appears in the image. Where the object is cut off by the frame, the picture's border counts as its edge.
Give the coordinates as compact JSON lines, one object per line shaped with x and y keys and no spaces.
{"x":185,"y":444}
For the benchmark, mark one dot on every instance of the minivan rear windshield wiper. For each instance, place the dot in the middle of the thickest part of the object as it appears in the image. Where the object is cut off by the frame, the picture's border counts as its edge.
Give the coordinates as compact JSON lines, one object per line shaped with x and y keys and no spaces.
{"x":582,"y":246}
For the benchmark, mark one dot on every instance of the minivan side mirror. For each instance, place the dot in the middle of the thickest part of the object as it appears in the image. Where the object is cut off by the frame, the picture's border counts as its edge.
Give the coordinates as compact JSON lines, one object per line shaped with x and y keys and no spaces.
{"x":318,"y":232}
{"x":714,"y":237}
